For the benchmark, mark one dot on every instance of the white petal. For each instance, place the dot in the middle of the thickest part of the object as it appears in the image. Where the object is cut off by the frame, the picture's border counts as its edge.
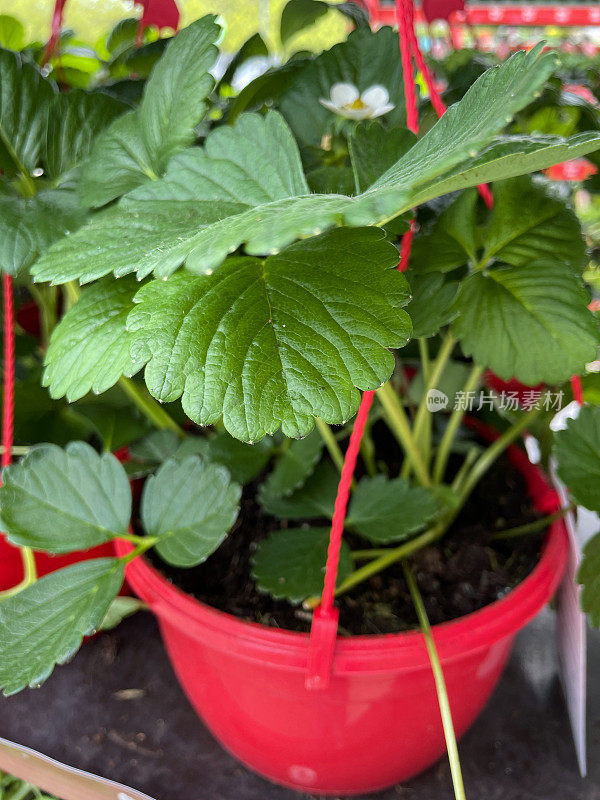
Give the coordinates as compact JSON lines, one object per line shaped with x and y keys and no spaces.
{"x":329,"y":105}
{"x":356,"y":113}
{"x":379,"y":112}
{"x":344,"y":93}
{"x":375,"y":96}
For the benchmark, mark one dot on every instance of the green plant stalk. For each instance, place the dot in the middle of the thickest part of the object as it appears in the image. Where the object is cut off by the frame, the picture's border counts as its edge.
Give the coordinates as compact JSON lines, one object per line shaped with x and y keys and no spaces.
{"x":366,"y":555}
{"x":435,"y":373}
{"x":487,"y":458}
{"x":145,"y":543}
{"x":440,"y":685}
{"x":152,"y":410}
{"x":367,"y":450}
{"x":30,"y":574}
{"x":400,"y":427}
{"x":532,"y":527}
{"x":46,"y":299}
{"x":462,"y":473}
{"x":425,"y":362}
{"x":389,"y":556}
{"x":456,"y":418}
{"x":17,"y":450}
{"x":331,"y":444}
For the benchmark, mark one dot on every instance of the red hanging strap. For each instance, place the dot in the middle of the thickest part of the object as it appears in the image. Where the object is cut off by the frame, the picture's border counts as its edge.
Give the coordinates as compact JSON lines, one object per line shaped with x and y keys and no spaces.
{"x":8,"y":377}
{"x":57,"y":21}
{"x":325,"y":618}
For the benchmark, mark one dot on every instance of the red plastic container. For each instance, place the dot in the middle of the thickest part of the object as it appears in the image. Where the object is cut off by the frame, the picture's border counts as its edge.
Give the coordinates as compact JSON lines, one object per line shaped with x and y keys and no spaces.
{"x":11,"y":566}
{"x":378,"y":722}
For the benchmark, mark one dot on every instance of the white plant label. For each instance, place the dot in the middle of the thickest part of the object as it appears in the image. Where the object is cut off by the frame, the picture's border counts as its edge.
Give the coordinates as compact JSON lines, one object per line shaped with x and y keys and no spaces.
{"x":58,"y":779}
{"x":571,"y":625}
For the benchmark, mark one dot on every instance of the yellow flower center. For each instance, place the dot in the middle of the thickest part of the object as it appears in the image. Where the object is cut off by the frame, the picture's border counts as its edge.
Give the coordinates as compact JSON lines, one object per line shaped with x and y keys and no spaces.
{"x":357,"y":104}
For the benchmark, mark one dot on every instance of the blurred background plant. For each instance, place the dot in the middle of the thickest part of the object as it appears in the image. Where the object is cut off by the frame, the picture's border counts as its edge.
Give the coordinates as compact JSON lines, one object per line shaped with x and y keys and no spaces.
{"x":16,"y":789}
{"x":90,"y":20}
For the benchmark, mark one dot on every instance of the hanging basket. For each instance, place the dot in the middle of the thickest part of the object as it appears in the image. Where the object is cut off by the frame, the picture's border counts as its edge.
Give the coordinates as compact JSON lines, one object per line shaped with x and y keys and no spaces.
{"x":377,"y":722}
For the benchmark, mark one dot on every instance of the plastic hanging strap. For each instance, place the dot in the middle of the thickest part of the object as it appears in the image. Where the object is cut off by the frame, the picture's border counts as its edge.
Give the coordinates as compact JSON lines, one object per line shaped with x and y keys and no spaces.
{"x":57,"y":20}
{"x":8,"y":377}
{"x":324,"y":626}
{"x":325,"y":619}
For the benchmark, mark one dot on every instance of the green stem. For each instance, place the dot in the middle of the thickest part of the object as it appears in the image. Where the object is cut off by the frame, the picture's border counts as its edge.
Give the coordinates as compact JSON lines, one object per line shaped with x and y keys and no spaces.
{"x":440,"y":685}
{"x":367,"y":450}
{"x":30,"y":574}
{"x":532,"y":527}
{"x":17,"y":450}
{"x":134,"y":539}
{"x":487,"y":458}
{"x":149,"y":407}
{"x":462,"y":473}
{"x":400,"y":426}
{"x":46,"y":300}
{"x":456,"y":418}
{"x":389,"y":557}
{"x":421,"y":429}
{"x":425,"y":363}
{"x":365,"y":555}
{"x":146,"y":542}
{"x":331,"y":444}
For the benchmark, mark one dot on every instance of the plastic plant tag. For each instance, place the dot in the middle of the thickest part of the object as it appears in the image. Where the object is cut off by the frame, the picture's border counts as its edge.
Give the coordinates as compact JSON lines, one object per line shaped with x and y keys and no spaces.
{"x":65,"y":782}
{"x":571,"y":626}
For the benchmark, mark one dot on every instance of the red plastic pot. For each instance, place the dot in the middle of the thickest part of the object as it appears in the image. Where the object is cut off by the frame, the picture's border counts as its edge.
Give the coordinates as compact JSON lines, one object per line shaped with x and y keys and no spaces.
{"x":378,"y":722}
{"x":11,"y":566}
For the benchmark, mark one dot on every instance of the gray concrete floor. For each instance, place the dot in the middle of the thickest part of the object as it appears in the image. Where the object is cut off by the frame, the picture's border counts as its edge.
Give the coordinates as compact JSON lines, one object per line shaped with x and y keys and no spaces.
{"x":118,"y":711}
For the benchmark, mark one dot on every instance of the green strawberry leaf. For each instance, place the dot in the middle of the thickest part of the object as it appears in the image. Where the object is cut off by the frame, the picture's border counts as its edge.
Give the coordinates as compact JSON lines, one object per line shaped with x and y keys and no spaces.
{"x":28,"y":227}
{"x":365,"y":59}
{"x":120,"y":609}
{"x":302,"y":339}
{"x":75,"y":119}
{"x":243,"y":461}
{"x":374,"y":149}
{"x":137,"y":146}
{"x":24,"y":98}
{"x":313,"y":500}
{"x":89,"y":348}
{"x":452,"y":238}
{"x":190,"y":507}
{"x":156,"y":447}
{"x":507,"y":157}
{"x":589,"y":577}
{"x":44,"y":624}
{"x":431,"y":306}
{"x":12,"y":33}
{"x":294,"y":467}
{"x":197,"y":215}
{"x":529,"y":322}
{"x":62,"y":500}
{"x":577,"y":452}
{"x":529,"y":223}
{"x":299,"y":14}
{"x":384,"y":510}
{"x":291,"y":564}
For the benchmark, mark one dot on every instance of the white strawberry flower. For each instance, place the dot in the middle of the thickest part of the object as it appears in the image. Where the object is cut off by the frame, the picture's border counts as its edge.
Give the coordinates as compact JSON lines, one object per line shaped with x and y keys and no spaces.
{"x":346,"y":101}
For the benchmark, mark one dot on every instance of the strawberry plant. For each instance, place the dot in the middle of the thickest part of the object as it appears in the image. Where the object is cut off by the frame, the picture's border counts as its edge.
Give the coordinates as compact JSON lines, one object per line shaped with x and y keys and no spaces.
{"x":242,"y":266}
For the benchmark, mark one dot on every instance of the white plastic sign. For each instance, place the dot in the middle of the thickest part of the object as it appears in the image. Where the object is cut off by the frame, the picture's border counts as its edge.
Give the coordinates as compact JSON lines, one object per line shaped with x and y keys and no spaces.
{"x":55,"y":778}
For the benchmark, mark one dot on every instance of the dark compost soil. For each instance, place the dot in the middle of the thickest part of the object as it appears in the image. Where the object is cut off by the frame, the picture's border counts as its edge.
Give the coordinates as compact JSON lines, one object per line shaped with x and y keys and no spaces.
{"x":466,"y":571}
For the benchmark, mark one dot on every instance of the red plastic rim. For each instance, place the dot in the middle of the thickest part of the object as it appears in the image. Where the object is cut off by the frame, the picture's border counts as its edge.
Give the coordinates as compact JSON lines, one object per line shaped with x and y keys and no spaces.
{"x":389,"y":652}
